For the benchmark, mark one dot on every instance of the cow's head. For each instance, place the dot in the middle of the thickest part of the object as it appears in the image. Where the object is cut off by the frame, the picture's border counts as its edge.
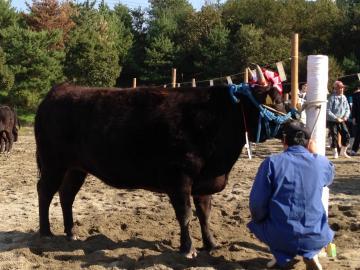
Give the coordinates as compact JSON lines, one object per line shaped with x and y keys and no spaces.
{"x":262,"y":130}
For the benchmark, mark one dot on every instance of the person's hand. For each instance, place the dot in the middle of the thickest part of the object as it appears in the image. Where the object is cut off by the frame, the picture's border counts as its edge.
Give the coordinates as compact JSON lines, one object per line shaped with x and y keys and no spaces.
{"x":312,"y":146}
{"x":340,"y":120}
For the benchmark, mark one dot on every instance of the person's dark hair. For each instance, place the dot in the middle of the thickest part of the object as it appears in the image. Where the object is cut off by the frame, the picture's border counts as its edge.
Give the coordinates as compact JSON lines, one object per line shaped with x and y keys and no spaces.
{"x":295,"y":133}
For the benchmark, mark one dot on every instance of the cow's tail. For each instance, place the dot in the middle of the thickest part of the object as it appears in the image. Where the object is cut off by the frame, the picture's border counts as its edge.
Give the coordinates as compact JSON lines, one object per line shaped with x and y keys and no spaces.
{"x":16,"y":127}
{"x":38,"y":162}
{"x":2,"y":141}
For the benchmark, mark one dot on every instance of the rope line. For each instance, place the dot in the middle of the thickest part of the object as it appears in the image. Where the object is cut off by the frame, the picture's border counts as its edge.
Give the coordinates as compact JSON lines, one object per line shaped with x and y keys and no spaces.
{"x":242,"y":73}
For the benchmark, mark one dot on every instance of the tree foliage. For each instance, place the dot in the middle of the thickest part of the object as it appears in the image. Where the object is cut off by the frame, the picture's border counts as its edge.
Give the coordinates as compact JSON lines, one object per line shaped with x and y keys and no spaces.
{"x":6,"y":77}
{"x":50,"y":15}
{"x":35,"y":67}
{"x":96,"y":46}
{"x":92,"y":43}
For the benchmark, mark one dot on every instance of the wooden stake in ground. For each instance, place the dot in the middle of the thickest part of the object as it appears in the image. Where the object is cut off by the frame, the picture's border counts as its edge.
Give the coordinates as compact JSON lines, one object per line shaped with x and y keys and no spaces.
{"x":246,"y":76}
{"x":173,"y":77}
{"x":294,"y":70}
{"x":193,"y":82}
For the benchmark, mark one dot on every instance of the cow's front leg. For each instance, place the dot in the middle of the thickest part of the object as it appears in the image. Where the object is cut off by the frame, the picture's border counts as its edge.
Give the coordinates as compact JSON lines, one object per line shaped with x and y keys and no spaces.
{"x":203,"y":208}
{"x":180,"y":200}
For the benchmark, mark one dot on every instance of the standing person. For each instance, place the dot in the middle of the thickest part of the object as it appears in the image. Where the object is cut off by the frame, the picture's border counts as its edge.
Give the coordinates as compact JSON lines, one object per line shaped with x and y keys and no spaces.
{"x":285,"y":201}
{"x":338,"y":112}
{"x":301,"y":102}
{"x":303,"y":91}
{"x":355,"y":112}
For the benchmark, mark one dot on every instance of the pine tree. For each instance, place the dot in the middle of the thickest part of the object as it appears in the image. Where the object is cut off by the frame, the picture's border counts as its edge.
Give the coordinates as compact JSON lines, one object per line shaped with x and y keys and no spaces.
{"x":35,"y":67}
{"x":92,"y":56}
{"x":6,"y":76}
{"x":50,"y":15}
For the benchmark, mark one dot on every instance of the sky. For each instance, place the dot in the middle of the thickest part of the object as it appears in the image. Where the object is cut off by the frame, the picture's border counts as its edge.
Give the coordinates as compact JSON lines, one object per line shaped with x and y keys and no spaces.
{"x":20,"y":4}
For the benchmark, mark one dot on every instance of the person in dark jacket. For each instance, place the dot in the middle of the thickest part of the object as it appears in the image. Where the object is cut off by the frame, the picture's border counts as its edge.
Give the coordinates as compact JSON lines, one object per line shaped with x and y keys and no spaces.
{"x":355,"y":112}
{"x":285,"y":201}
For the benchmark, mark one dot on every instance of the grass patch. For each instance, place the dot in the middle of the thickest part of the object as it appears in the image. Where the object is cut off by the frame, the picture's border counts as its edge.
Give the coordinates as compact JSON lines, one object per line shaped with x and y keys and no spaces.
{"x":26,"y":118}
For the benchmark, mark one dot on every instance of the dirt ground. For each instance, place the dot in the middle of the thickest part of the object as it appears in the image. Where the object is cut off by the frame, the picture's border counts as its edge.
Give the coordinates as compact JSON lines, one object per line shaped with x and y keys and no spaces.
{"x":136,"y":229}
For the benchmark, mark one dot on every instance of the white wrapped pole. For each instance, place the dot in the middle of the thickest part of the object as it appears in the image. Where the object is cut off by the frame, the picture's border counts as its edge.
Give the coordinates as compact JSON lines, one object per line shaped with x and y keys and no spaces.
{"x":317,"y":80}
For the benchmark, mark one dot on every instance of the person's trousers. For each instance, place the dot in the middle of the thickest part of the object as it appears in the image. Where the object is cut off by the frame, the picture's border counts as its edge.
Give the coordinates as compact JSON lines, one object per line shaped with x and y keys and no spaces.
{"x":335,"y":129}
{"x":355,"y":146}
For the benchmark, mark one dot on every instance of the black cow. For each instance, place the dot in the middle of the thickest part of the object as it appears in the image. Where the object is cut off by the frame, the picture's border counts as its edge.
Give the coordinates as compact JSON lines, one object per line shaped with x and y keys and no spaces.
{"x":8,"y":128}
{"x":182,"y":142}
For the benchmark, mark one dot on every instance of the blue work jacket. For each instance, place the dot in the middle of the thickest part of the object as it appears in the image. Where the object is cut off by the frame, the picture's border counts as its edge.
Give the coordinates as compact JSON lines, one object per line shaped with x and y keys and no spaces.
{"x":285,"y":201}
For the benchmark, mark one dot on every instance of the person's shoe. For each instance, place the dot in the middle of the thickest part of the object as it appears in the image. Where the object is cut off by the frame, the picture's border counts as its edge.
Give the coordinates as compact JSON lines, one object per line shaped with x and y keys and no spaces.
{"x":335,"y":153}
{"x":343,"y":152}
{"x":313,"y":264}
{"x":272,"y":264}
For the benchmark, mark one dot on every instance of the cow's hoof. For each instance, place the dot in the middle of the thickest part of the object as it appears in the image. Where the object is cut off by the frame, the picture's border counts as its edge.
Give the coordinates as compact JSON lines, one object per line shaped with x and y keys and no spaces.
{"x":46,"y":235}
{"x":72,"y":238}
{"x":191,"y":254}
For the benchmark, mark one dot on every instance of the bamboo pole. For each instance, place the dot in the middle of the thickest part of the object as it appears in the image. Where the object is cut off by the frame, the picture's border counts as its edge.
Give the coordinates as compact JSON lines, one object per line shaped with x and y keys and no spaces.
{"x":294,"y":70}
{"x":246,"y":76}
{"x":134,"y":83}
{"x":173,"y":76}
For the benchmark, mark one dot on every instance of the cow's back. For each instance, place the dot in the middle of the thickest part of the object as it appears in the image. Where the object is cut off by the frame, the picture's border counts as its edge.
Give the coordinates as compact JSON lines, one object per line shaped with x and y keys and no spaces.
{"x":134,"y":135}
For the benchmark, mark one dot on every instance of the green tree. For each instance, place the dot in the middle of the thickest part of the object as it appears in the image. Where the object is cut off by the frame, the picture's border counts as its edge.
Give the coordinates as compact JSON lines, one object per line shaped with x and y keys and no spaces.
{"x":204,"y":44}
{"x":134,"y":61}
{"x":35,"y":67}
{"x":6,"y":77}
{"x":8,"y":15}
{"x":92,"y":56}
{"x":163,"y":38}
{"x":212,"y":58}
{"x":159,"y":58}
{"x":247,"y":46}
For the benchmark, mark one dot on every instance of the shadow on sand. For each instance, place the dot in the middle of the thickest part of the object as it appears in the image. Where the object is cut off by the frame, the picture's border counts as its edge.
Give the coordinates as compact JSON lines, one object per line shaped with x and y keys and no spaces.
{"x":99,"y":250}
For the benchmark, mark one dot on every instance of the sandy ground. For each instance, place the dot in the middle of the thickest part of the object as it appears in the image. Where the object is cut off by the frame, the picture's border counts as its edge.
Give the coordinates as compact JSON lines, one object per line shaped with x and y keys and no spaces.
{"x":123,"y":229}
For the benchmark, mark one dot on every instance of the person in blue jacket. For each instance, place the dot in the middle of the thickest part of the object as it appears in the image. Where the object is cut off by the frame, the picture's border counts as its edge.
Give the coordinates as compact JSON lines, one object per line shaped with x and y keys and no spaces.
{"x":286,"y":208}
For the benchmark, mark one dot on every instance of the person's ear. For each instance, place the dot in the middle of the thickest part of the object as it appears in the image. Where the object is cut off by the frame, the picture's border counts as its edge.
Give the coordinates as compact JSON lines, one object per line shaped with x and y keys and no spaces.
{"x":312,"y":147}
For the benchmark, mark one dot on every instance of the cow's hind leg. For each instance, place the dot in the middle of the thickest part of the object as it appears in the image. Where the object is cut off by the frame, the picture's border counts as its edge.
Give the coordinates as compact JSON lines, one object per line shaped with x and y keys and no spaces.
{"x":71,"y":185}
{"x":48,"y":185}
{"x":8,"y":141}
{"x":203,"y":208}
{"x":180,"y":200}
{"x":2,"y":142}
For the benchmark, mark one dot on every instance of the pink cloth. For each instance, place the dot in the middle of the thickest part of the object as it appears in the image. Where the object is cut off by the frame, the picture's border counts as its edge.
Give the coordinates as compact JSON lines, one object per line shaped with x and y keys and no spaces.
{"x":271,"y":77}
{"x":274,"y":78}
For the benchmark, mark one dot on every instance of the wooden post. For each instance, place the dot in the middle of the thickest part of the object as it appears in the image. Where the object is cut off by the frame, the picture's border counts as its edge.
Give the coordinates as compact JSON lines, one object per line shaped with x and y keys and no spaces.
{"x":294,"y":70}
{"x":193,"y":83}
{"x":246,"y":76}
{"x":134,"y":83}
{"x":211,"y":83}
{"x":229,"y":80}
{"x":173,"y":76}
{"x":247,"y":145}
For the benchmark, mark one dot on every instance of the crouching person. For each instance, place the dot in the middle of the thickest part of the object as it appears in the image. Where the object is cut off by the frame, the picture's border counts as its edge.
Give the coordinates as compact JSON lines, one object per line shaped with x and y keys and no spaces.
{"x":285,"y":200}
